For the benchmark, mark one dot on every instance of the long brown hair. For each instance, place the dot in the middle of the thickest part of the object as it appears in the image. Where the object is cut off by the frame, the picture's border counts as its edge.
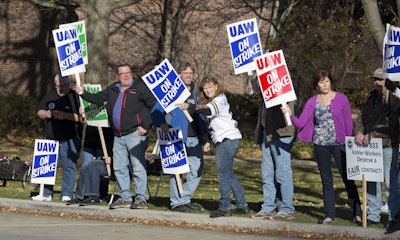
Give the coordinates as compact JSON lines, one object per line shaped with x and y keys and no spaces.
{"x":203,"y":99}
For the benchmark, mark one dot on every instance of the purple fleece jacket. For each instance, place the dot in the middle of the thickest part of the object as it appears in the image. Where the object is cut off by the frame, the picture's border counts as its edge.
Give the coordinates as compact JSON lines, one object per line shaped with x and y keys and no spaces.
{"x":341,"y":113}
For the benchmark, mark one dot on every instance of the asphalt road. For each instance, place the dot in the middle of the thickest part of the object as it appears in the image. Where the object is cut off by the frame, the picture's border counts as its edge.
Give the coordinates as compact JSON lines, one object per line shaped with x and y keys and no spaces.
{"x":17,"y":226}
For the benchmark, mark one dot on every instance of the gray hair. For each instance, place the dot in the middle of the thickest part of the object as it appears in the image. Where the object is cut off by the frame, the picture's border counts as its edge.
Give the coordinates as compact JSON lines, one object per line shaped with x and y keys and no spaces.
{"x":61,"y":79}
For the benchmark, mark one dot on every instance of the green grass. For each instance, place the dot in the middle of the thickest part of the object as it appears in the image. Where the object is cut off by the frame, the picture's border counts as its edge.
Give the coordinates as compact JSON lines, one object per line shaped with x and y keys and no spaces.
{"x":307,"y":191}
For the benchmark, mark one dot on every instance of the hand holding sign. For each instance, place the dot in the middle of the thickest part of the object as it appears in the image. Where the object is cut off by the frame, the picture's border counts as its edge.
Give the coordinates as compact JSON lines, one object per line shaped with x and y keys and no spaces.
{"x":184,"y":107}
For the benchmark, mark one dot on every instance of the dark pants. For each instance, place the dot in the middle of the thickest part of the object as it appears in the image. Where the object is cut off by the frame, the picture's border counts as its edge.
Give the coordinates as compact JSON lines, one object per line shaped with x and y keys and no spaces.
{"x":323,"y":155}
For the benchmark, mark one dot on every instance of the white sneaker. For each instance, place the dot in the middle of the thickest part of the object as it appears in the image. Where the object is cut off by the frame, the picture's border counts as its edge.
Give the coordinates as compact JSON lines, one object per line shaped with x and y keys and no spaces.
{"x":384,"y":207}
{"x":65,"y":198}
{"x":41,"y":198}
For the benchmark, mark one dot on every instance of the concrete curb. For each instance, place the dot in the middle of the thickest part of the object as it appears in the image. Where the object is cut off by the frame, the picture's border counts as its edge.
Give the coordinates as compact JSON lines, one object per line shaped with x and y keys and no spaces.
{"x":195,"y":218}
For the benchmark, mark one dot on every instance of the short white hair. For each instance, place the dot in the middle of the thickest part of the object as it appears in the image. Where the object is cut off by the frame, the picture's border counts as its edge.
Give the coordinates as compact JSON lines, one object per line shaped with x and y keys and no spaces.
{"x":59,"y":78}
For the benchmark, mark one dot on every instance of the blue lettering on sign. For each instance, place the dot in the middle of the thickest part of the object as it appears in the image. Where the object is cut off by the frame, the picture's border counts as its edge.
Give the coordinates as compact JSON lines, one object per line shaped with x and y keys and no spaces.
{"x":44,"y":166}
{"x":392,"y":58}
{"x":241,"y":29}
{"x":70,"y":55}
{"x":66,"y":35}
{"x":244,"y":55}
{"x":169,"y":137}
{"x":158,"y":74}
{"x":46,"y":147}
{"x":176,"y":158}
{"x":394,"y":36}
{"x":175,"y":89}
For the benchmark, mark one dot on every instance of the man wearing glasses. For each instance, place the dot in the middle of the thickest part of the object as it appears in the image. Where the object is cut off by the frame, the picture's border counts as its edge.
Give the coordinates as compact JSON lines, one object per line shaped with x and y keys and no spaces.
{"x":60,"y":109}
{"x":128,"y":104}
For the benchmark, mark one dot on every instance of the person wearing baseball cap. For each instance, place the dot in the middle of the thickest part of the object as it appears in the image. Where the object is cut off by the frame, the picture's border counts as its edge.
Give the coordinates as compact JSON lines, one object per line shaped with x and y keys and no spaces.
{"x":379,"y":118}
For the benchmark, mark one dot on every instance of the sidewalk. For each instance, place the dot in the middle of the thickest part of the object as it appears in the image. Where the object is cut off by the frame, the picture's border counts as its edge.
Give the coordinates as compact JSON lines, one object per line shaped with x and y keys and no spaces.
{"x":194,"y":220}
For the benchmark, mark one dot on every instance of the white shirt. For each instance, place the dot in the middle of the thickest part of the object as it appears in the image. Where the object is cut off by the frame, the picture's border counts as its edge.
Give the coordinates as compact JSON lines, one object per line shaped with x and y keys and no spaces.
{"x":221,"y":123}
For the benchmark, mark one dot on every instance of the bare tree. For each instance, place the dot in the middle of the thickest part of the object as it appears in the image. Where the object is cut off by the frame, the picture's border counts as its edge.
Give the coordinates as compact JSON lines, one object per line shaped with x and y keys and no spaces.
{"x":98,"y":15}
{"x":374,"y":20}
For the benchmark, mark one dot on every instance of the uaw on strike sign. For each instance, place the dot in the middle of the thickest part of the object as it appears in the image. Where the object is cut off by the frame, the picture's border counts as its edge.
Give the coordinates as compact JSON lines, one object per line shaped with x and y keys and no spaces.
{"x":69,"y":51}
{"x":245,"y":45}
{"x":45,"y":161}
{"x":273,"y":75}
{"x":391,"y":53}
{"x":172,"y":151}
{"x":166,"y":86}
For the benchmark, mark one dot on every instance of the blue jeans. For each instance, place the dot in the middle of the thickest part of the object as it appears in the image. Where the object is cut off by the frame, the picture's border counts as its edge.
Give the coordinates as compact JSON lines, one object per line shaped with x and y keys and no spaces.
{"x":90,"y":154}
{"x":68,"y":154}
{"x":130,"y":150}
{"x":323,"y":156}
{"x":92,"y":171}
{"x":277,"y":176}
{"x":192,"y":180}
{"x":374,"y":192}
{"x":224,"y":155}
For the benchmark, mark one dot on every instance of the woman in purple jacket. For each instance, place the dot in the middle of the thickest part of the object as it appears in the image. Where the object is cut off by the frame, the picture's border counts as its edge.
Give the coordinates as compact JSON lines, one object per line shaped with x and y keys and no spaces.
{"x":325,"y":121}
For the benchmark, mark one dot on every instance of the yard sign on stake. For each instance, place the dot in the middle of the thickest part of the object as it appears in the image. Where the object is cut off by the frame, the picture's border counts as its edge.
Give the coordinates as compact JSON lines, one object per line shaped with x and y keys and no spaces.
{"x":44,"y":166}
{"x":173,"y":153}
{"x":364,"y":163}
{"x":96,"y":115}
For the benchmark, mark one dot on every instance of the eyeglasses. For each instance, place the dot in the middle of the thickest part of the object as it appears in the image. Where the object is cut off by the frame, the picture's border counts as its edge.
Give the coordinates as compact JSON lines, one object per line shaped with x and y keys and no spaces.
{"x":378,"y":79}
{"x":120,"y":74}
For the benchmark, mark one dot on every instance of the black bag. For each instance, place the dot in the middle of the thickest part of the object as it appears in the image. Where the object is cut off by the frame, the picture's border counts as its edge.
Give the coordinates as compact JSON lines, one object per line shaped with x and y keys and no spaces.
{"x":13,"y":169}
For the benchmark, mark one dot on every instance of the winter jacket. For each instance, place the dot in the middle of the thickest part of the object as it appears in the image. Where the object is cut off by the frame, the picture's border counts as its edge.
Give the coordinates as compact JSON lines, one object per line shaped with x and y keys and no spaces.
{"x":132,"y":111}
{"x":341,"y":114}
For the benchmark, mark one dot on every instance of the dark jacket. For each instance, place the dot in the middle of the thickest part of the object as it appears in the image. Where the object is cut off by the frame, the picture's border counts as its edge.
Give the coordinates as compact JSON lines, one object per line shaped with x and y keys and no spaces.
{"x":133,"y":111}
{"x":380,"y":119}
{"x":273,"y":121}
{"x":56,"y":129}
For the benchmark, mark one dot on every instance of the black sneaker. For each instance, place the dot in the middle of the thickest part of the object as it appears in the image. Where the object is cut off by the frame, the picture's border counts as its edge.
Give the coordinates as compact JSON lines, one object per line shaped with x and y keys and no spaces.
{"x":90,"y":201}
{"x":370,"y":222}
{"x":389,"y":224}
{"x":74,"y":201}
{"x":241,"y":210}
{"x":220,"y":213}
{"x":193,"y":206}
{"x":393,"y":228}
{"x":181,"y":208}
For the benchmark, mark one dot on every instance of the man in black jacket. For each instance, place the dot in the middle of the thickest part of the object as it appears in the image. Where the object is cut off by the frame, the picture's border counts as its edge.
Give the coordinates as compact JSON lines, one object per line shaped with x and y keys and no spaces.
{"x":128,"y":104}
{"x":60,"y":110}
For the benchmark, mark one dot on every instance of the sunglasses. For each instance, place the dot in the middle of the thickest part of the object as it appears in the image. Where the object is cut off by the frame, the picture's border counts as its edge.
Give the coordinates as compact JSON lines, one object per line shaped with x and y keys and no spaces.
{"x":378,"y":79}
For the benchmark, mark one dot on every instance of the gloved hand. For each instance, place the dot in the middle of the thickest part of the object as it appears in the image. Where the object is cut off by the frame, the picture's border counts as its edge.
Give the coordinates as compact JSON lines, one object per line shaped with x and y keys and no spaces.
{"x":389,"y":85}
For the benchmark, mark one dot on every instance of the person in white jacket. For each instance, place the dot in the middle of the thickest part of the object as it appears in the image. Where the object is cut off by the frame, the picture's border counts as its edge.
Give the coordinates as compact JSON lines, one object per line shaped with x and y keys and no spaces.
{"x":226,"y":137}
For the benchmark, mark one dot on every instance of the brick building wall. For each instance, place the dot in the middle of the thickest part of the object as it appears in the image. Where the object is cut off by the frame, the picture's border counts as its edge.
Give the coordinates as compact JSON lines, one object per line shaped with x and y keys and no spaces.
{"x":26,"y":61}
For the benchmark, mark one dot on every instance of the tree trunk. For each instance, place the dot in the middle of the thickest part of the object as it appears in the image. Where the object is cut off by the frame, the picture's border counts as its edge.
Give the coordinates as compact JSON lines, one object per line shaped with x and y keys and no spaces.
{"x":97,"y":29}
{"x":375,"y":25}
